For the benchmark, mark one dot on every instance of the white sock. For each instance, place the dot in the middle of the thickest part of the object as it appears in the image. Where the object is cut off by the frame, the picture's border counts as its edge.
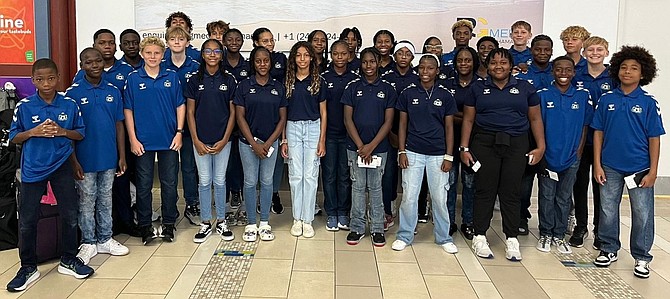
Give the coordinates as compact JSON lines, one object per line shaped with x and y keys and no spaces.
{"x":264,"y":223}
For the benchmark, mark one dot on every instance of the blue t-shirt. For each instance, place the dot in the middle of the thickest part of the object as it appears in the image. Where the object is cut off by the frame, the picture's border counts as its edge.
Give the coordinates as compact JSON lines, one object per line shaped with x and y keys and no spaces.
{"x":370,"y":101}
{"x":521,"y":56}
{"x":502,"y":110}
{"x":539,"y":78}
{"x":154,"y":104}
{"x":627,"y":122}
{"x":141,"y":64}
{"x":240,"y":71}
{"x":116,"y":75}
{"x":302,"y":105}
{"x":564,"y":116}
{"x":212,"y":96}
{"x":42,"y":156}
{"x":191,"y":51}
{"x":101,"y":108}
{"x":335,"y":84}
{"x":598,"y":86}
{"x":261,"y":105}
{"x":426,"y":111}
{"x":278,"y":69}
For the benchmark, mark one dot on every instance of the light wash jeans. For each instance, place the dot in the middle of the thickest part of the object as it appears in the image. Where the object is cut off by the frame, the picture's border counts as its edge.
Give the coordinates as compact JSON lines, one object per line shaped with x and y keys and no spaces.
{"x":95,"y":206}
{"x":642,"y":214}
{"x":438,"y":185}
{"x":256,"y":169}
{"x":360,"y":179}
{"x":212,"y":171}
{"x":303,"y":166}
{"x":554,"y":200}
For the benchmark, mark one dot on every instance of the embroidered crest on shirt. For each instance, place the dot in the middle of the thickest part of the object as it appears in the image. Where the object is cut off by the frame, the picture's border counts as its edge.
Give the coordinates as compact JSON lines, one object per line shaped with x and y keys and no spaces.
{"x":359,"y":93}
{"x":443,"y":76}
{"x":574,"y":106}
{"x":636,"y":109}
{"x":243,"y":73}
{"x":278,"y":65}
{"x":36,"y":118}
{"x":415,"y":101}
{"x":514,"y":90}
{"x":274,"y":92}
{"x":119,"y":77}
{"x":550,"y":104}
{"x":381,"y":94}
{"x":143,"y":86}
{"x":223,"y":87}
{"x":605,"y":86}
{"x":109,"y":98}
{"x":167,"y":84}
{"x":201,"y":87}
{"x":252,"y":90}
{"x":437,"y":103}
{"x":84,"y":101}
{"x":487,"y":91}
{"x":62,"y":116}
{"x":610,"y":107}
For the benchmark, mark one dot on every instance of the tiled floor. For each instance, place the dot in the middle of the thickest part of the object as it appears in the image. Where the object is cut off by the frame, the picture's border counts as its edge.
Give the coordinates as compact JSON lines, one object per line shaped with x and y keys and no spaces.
{"x":326,"y":267}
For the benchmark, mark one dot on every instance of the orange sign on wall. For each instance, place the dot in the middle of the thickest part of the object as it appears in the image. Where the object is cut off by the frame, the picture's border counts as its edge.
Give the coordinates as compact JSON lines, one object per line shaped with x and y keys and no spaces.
{"x":17,"y":32}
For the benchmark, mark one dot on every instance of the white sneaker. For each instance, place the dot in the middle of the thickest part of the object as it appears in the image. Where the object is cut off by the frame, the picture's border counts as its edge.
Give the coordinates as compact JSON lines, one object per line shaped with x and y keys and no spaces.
{"x":112,"y":247}
{"x":265,"y":231}
{"x":512,"y":251}
{"x":641,"y":269}
{"x":398,"y":245}
{"x":250,"y":233}
{"x":296,"y":229}
{"x":481,"y":247}
{"x":544,"y":244}
{"x":307,"y":230}
{"x":561,"y":245}
{"x":450,"y":247}
{"x":87,"y":252}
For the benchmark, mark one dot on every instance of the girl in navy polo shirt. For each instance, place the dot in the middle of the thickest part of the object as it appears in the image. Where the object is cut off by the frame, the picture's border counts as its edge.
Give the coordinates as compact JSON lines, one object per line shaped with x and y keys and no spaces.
{"x":426,"y":140}
{"x":211,"y":117}
{"x":352,"y":36}
{"x":319,"y":41}
{"x":260,"y":108}
{"x":368,"y":116}
{"x":497,"y":114}
{"x":384,"y":42}
{"x":305,"y":134}
{"x":433,"y":45}
{"x":626,"y":142}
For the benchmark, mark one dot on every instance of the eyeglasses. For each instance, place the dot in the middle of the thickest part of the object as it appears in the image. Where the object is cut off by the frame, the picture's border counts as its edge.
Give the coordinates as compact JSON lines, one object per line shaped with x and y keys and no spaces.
{"x":433,"y":47}
{"x":210,"y":51}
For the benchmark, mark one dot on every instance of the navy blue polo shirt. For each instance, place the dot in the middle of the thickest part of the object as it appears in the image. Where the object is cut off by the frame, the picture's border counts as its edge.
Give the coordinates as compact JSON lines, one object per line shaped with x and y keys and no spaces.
{"x":302,"y":105}
{"x":627,"y":122}
{"x":521,"y":56}
{"x":154,"y":104}
{"x":370,"y":101}
{"x":42,"y":156}
{"x":400,"y":81}
{"x":458,"y":91}
{"x":354,"y":65}
{"x":123,"y":59}
{"x":278,"y":69}
{"x":426,"y":111}
{"x":385,"y":69}
{"x":240,"y":71}
{"x":212,"y":96}
{"x":502,"y":110}
{"x":261,"y":105}
{"x":449,"y":59}
{"x":185,"y":71}
{"x":191,"y":51}
{"x":564,"y":116}
{"x":446,"y":72}
{"x":101,"y":108}
{"x":116,"y":75}
{"x":539,"y":78}
{"x":335,"y":84}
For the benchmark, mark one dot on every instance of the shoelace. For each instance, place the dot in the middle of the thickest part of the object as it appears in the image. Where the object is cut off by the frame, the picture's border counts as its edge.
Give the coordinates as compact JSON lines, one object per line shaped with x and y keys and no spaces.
{"x":203,"y":228}
{"x":513,"y":245}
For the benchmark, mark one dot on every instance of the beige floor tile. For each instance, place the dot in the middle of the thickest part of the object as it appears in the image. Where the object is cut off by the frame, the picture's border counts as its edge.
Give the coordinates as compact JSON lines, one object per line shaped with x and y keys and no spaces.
{"x":514,"y":282}
{"x":662,"y":227}
{"x":282,"y":247}
{"x":485,"y":289}
{"x":358,"y":292}
{"x":387,"y":255}
{"x":661,"y":264}
{"x":433,"y":260}
{"x":652,"y":287}
{"x":449,"y":287}
{"x":140,"y":296}
{"x":100,"y":288}
{"x":157,"y":275}
{"x":558,"y":289}
{"x":125,"y":267}
{"x":312,"y":285}
{"x":544,"y":265}
{"x":53,"y":285}
{"x":320,"y":232}
{"x":99,"y":259}
{"x":402,"y":280}
{"x":183,"y":245}
{"x":471,"y":266}
{"x":356,"y":268}
{"x":205,"y":251}
{"x":184,"y":285}
{"x":268,"y":278}
{"x":314,"y":255}
{"x":8,"y":258}
{"x":364,"y":245}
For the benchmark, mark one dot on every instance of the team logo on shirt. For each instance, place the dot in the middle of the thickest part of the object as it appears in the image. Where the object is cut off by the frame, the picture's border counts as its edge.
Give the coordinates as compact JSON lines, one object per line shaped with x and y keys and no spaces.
{"x":437,"y":103}
{"x":143,"y":86}
{"x":274,"y":92}
{"x":167,"y":84}
{"x":252,"y":90}
{"x":636,"y":109}
{"x":381,"y":94}
{"x":359,"y":93}
{"x":243,"y":73}
{"x":575,"y":106}
{"x":415,"y":101}
{"x":84,"y":101}
{"x":62,"y":116}
{"x":452,"y":91}
{"x":201,"y":87}
{"x":109,"y":98}
{"x":278,"y":65}
{"x":443,"y":76}
{"x":36,"y":118}
{"x":580,"y":84}
{"x":605,"y":86}
{"x":487,"y":91}
{"x":119,"y":77}
{"x":514,"y":90}
{"x":330,"y":85}
{"x":223,"y":87}
{"x":550,"y":105}
{"x":610,"y":107}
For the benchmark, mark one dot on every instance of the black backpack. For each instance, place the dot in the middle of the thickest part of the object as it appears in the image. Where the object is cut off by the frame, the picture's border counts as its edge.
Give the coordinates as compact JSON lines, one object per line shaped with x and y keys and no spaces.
{"x":10,"y":159}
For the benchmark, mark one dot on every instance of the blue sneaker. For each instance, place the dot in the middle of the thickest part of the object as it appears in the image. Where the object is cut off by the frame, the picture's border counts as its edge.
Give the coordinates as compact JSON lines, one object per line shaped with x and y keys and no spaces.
{"x":75,"y":267}
{"x":25,"y":276}
{"x":343,"y":222}
{"x":331,"y":223}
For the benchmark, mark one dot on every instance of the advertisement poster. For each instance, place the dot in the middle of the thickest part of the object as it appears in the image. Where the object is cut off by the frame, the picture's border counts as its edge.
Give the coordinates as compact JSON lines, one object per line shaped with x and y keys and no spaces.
{"x":17,"y":32}
{"x":291,"y":21}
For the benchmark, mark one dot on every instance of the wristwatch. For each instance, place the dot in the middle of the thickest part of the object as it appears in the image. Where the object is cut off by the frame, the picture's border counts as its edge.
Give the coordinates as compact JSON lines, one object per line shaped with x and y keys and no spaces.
{"x":463,"y":149}
{"x":180,"y":131}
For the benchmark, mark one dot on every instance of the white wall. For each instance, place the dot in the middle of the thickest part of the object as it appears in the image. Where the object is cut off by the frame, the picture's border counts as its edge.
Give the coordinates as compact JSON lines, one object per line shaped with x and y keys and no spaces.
{"x":92,"y":15}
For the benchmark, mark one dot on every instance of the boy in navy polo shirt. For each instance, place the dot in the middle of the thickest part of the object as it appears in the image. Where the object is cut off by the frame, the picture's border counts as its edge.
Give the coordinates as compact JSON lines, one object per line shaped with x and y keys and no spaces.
{"x":46,"y":123}
{"x":96,"y":160}
{"x":178,"y":40}
{"x":566,"y":113}
{"x":116,"y":71}
{"x":154,"y":110}
{"x":217,"y":29}
{"x":626,"y":142}
{"x":182,"y":20}
{"x":129,"y":43}
{"x":461,"y":32}
{"x":573,"y":37}
{"x":538,"y":72}
{"x":521,"y":34}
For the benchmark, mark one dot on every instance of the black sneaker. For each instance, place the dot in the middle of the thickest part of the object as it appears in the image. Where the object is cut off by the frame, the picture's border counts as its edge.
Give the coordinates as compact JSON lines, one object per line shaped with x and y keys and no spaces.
{"x":235,"y":199}
{"x":353,"y":238}
{"x":378,"y":239}
{"x":231,"y":218}
{"x":192,"y":214}
{"x":605,"y":259}
{"x":74,"y":266}
{"x":167,"y":232}
{"x":523,"y":227}
{"x":148,"y":234}
{"x":423,"y":218}
{"x":578,"y":236}
{"x":641,"y":269}
{"x":596,"y":241}
{"x":223,"y":230}
{"x":23,"y":278}
{"x":453,"y":228}
{"x":277,"y":207}
{"x":468,"y":231}
{"x":203,"y":233}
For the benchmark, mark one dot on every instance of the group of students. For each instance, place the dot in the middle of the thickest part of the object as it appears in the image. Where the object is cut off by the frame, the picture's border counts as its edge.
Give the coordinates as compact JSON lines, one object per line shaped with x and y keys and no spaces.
{"x":495,"y":117}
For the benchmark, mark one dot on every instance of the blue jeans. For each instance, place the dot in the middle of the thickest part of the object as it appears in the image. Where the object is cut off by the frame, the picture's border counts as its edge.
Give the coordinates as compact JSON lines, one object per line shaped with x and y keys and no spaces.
{"x":360,"y":179}
{"x":303,"y":166}
{"x":256,"y":169}
{"x":390,"y":180}
{"x":95,"y":206}
{"x":234,"y":172}
{"x":554,"y":202}
{"x":642,"y":214}
{"x":467,"y":195}
{"x":438,"y":185}
{"x":212,"y":170}
{"x":167,"y":173}
{"x":189,"y":174}
{"x":335,"y":178}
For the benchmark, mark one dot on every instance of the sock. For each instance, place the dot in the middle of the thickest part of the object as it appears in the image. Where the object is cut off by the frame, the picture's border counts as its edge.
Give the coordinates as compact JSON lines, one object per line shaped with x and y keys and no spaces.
{"x":264,"y":223}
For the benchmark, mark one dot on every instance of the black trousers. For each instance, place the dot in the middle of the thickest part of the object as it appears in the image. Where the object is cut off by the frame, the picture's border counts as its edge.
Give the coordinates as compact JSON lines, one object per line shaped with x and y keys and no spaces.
{"x":581,"y":190}
{"x":500,"y":175}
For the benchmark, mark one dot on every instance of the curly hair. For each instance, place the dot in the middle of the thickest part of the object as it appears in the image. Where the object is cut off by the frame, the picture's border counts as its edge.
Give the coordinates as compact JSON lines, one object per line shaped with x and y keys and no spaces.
{"x":179,"y":14}
{"x":220,"y":25}
{"x":292,"y":69}
{"x":639,"y":54}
